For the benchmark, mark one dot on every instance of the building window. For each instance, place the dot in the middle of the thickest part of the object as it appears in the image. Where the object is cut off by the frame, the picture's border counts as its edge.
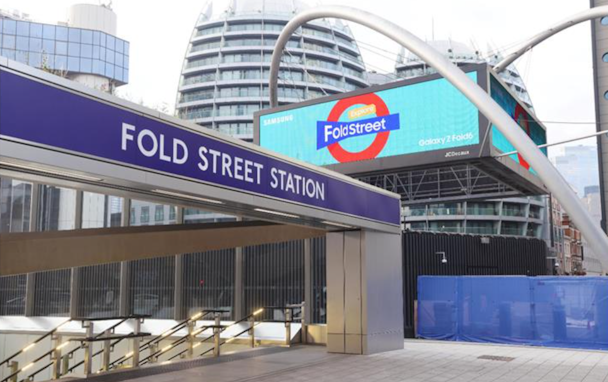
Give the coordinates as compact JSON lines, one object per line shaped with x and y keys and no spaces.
{"x":604,"y":21}
{"x":605,"y":57}
{"x":159,"y":213}
{"x":172,"y":212}
{"x":132,"y":216}
{"x":145,"y":214}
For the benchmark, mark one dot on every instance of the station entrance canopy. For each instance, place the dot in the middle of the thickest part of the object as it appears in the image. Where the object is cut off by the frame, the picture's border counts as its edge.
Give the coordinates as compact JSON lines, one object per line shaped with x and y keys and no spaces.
{"x":419,"y":137}
{"x":58,"y":132}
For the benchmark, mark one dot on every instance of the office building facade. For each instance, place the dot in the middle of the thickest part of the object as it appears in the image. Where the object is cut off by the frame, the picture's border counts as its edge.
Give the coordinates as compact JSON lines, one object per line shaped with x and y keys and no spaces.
{"x":84,"y":48}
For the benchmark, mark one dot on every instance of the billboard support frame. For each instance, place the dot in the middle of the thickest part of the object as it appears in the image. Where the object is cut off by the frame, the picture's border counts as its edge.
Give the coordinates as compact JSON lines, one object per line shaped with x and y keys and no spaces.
{"x":484,"y":102}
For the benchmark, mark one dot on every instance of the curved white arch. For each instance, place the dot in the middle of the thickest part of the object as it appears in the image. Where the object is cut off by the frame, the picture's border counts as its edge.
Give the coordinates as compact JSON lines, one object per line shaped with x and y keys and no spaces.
{"x":486,"y":105}
{"x":578,"y":18}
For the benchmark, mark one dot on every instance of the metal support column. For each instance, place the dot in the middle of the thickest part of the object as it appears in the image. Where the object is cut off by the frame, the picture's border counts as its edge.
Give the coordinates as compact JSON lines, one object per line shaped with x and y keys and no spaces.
{"x":239,"y":284}
{"x":30,"y":293}
{"x":125,"y":280}
{"x":35,"y":207}
{"x":179,"y":308}
{"x":308,"y":293}
{"x":75,"y":291}
{"x":216,"y":336}
{"x":78,"y":210}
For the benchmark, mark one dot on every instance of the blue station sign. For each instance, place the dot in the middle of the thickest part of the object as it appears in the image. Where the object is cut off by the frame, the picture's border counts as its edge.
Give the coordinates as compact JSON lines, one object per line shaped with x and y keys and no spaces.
{"x":38,"y":113}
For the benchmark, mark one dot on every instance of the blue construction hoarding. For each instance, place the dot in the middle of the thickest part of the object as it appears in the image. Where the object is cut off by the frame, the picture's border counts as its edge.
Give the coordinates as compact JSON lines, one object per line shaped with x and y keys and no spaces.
{"x":569,"y":312}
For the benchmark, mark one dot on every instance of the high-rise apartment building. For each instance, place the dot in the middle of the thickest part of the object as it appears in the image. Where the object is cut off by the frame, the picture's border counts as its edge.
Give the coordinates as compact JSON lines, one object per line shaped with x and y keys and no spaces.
{"x":226,"y":68}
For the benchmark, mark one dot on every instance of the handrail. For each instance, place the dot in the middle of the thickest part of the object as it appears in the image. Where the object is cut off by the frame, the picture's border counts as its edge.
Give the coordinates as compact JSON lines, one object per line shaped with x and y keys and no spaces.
{"x":28,"y":347}
{"x":123,"y":319}
{"x":37,"y":372}
{"x":32,"y":363}
{"x":167,"y":333}
{"x":175,"y":343}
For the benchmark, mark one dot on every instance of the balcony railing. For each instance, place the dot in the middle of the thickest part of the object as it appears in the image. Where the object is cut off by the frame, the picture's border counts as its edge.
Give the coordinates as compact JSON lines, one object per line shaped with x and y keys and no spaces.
{"x":511,"y":231}
{"x":513,"y":212}
{"x":445,"y":211}
{"x":481,"y":211}
{"x":481,"y":230}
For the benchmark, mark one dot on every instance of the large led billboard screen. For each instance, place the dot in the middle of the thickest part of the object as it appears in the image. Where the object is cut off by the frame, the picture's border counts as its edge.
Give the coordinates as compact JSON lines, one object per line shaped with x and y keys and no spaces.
{"x":524,"y":119}
{"x":398,"y":121}
{"x":414,"y":123}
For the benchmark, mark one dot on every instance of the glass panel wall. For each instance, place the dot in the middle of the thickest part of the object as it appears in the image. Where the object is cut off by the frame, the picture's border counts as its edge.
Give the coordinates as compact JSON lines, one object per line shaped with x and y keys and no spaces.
{"x":101,"y":211}
{"x":60,"y":48}
{"x":148,"y":213}
{"x":15,"y":205}
{"x":56,"y":209}
{"x":193,"y":216}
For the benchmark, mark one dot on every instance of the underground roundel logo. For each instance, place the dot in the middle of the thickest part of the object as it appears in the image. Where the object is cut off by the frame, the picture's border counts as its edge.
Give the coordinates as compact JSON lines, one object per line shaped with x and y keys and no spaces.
{"x":331,"y":132}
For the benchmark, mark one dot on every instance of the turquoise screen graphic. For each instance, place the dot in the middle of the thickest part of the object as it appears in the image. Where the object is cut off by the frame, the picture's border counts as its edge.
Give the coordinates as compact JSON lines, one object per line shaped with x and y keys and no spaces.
{"x":422,"y":117}
{"x":527,"y":122}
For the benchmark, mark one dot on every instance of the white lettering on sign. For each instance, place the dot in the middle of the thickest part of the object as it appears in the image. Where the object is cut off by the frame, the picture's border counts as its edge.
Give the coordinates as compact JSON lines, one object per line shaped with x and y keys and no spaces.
{"x":446,"y":139}
{"x":224,"y":164}
{"x":297,"y":184}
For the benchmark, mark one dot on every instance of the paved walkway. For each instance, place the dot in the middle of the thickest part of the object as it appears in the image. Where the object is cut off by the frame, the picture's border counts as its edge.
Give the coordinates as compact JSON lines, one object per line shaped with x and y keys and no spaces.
{"x":430,"y":361}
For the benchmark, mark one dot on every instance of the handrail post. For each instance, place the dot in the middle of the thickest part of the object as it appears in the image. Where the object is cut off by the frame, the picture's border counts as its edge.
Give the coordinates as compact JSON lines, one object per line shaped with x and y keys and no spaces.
{"x":216,"y":335}
{"x":56,"y":356}
{"x":304,"y":330}
{"x":105,"y":366}
{"x":88,"y":353}
{"x":135,"y":343}
{"x":252,"y":330}
{"x":14,"y":366}
{"x":287,"y":327}
{"x":65,"y":364}
{"x":191,"y":338}
{"x":153,"y":348}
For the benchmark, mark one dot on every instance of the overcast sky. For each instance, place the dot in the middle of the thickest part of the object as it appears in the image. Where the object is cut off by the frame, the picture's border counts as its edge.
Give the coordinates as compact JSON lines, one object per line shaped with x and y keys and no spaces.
{"x":558,"y":74}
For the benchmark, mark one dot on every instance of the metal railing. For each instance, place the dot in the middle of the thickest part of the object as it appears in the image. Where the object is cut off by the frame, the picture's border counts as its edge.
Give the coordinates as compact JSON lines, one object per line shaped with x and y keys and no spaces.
{"x":59,"y":361}
{"x":194,"y":338}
